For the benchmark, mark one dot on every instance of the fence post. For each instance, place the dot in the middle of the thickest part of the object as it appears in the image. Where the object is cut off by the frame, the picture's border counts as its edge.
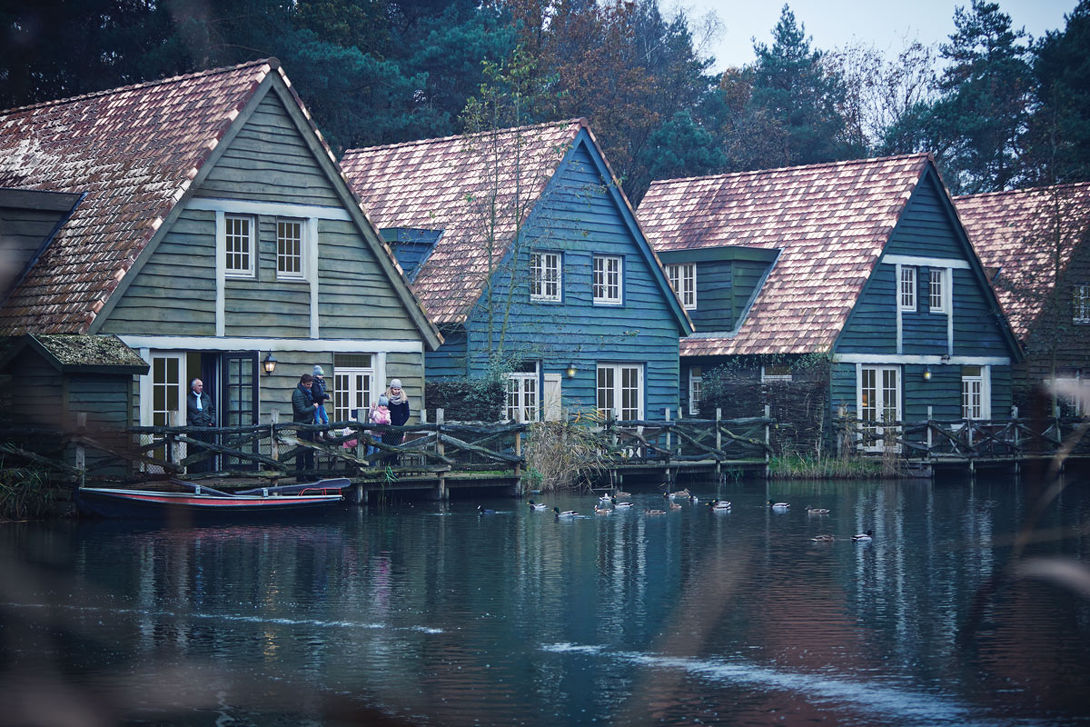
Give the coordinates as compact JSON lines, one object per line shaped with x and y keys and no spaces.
{"x":1017,"y":441}
{"x":172,"y":447}
{"x":718,"y":442}
{"x":768,"y":436}
{"x":274,"y":444}
{"x":929,"y":433}
{"x":81,"y":451}
{"x":669,"y":437}
{"x":440,"y":448}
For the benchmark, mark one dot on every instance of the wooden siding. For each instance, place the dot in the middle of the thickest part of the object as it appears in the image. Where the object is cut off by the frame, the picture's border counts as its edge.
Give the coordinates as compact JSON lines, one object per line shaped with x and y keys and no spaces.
{"x":578,"y":218}
{"x":450,"y":360}
{"x":270,"y":161}
{"x":715,"y":309}
{"x":926,"y":227}
{"x":872,"y":325}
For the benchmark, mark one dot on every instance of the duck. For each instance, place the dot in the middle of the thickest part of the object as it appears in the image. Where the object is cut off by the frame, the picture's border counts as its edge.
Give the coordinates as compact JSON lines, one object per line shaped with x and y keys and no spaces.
{"x":599,"y":510}
{"x":605,"y":499}
{"x":564,"y":513}
{"x":780,"y":506}
{"x":650,"y":511}
{"x":675,"y":505}
{"x":621,"y":493}
{"x":825,"y":538}
{"x":539,"y":506}
{"x":863,"y":537}
{"x":482,"y":510}
{"x":622,"y":505}
{"x":817,"y":510}
{"x":694,"y":499}
{"x":719,"y":505}
{"x":677,"y":494}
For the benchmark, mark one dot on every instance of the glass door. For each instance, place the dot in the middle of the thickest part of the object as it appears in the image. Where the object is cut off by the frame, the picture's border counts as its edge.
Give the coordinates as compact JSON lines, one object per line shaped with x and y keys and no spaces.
{"x":239,"y":404}
{"x":879,"y":405}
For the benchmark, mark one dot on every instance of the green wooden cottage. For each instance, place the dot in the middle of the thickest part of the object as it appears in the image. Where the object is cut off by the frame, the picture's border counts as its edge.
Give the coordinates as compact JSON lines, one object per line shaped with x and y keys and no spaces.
{"x":846,"y":288}
{"x":525,"y":252}
{"x":1035,"y":244}
{"x":204,"y":223}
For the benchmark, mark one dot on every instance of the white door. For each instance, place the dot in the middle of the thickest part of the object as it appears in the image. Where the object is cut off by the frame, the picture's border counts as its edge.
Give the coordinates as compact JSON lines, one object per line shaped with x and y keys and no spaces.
{"x":552,"y":398}
{"x":879,"y":404}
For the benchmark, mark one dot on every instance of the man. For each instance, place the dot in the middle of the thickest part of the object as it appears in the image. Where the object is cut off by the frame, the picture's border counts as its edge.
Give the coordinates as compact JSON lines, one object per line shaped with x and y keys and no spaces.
{"x":302,"y":412}
{"x":200,"y":412}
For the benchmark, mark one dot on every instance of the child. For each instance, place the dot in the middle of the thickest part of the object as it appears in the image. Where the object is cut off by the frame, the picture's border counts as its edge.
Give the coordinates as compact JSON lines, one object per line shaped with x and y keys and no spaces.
{"x":380,"y":414}
{"x":318,"y":391}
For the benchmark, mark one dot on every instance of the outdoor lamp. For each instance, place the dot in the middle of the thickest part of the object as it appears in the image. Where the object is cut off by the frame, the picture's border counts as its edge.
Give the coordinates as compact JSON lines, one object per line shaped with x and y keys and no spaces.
{"x":927,"y":374}
{"x":571,"y":371}
{"x":269,"y":364}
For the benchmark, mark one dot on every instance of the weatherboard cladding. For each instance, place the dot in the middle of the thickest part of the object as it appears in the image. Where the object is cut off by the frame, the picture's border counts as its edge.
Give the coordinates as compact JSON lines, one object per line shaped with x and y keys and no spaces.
{"x":476,"y":188}
{"x":831,"y":222}
{"x":1015,"y":233}
{"x":134,"y":151}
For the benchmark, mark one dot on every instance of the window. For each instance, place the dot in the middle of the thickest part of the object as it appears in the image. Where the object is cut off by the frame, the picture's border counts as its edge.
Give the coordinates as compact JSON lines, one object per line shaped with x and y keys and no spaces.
{"x":607,"y":280}
{"x":1072,"y":393}
{"x":974,"y":397}
{"x":879,"y":404}
{"x":522,"y":394}
{"x":620,"y":391}
{"x":775,"y":372}
{"x":936,"y":290}
{"x":289,"y":249}
{"x":1081,"y":303}
{"x":353,"y":377}
{"x":682,"y":279}
{"x":239,"y":245}
{"x":696,"y":389}
{"x":545,"y":276}
{"x":908,"y":288}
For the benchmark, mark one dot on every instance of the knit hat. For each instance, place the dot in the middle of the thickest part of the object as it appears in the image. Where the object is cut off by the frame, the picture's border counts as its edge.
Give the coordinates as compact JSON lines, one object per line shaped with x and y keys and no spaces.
{"x":383,"y":401}
{"x":395,"y":383}
{"x":318,"y":371}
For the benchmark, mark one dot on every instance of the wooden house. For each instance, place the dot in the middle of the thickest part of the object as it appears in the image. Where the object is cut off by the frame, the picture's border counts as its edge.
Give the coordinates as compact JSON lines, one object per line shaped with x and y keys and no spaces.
{"x":204,"y":223}
{"x":854,"y":281}
{"x":525,"y":252}
{"x":1034,"y":244}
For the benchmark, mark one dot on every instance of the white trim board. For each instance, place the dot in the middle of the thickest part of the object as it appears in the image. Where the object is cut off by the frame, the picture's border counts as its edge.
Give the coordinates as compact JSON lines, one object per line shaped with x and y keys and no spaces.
{"x":209,"y":343}
{"x":281,"y":209}
{"x":928,"y":359}
{"x":931,"y":262}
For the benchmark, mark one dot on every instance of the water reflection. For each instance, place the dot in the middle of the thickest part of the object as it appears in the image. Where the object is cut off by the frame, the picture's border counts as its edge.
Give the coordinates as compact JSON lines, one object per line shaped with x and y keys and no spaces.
{"x":442,"y":615}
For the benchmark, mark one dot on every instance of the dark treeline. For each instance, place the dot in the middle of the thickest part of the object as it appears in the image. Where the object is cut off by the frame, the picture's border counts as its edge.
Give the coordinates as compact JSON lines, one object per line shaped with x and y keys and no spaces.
{"x":997,"y":108}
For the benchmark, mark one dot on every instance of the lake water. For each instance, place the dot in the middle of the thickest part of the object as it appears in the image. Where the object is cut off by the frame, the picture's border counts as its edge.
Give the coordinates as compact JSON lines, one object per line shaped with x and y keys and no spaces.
{"x":438,"y":615}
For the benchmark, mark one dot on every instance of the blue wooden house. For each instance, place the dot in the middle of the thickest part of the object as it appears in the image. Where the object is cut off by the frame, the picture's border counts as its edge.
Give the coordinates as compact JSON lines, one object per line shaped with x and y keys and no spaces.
{"x":204,"y":223}
{"x":861,"y":266}
{"x":525,"y":252}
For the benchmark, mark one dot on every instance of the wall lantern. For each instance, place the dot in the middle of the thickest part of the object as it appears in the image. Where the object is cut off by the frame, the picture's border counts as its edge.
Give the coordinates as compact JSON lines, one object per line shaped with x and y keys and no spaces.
{"x":927,"y":374}
{"x":269,"y":364}
{"x":571,"y":371}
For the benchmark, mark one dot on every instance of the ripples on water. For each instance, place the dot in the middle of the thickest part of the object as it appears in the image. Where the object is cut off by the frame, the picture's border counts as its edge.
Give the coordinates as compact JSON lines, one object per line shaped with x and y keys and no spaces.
{"x":518,"y":618}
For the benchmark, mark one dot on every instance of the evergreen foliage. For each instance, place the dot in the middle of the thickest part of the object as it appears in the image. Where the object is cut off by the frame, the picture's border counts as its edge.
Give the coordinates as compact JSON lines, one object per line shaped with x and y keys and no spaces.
{"x":468,"y":400}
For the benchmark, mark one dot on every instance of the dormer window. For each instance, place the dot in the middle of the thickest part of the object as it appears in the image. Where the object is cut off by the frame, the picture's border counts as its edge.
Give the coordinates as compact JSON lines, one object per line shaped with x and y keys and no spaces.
{"x":682,"y":279}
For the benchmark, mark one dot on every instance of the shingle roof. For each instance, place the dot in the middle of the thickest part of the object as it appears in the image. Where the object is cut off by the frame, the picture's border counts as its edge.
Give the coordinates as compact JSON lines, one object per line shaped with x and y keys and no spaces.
{"x":1015,"y":233}
{"x":475,"y":188}
{"x":134,"y":151}
{"x":830,"y":222}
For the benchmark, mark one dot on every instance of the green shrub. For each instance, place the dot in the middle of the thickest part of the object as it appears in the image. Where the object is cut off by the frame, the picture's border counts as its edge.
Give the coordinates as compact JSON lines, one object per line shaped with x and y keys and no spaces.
{"x":468,"y":400}
{"x":25,"y":493}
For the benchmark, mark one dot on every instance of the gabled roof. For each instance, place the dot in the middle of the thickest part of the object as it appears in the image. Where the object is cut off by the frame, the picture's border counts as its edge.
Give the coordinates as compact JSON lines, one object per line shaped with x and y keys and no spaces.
{"x":74,"y":353}
{"x":1016,"y":235}
{"x":477,"y":189}
{"x":829,"y":221}
{"x":135,"y":152}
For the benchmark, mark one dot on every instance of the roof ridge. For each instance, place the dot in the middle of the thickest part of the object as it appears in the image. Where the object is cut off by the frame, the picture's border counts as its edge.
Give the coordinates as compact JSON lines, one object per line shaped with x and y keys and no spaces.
{"x":816,"y":165}
{"x":272,"y":62}
{"x":446,"y":139}
{"x":1025,"y":190}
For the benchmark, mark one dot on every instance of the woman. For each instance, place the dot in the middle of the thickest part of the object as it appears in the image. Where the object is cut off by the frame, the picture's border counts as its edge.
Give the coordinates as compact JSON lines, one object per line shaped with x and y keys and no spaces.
{"x":398,"y":403}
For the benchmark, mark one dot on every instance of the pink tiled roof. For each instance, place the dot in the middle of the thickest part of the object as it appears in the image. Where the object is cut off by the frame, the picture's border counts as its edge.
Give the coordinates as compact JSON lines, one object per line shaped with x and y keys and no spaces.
{"x":134,"y":151}
{"x":829,"y":221}
{"x":475,"y":188}
{"x":1015,"y":232}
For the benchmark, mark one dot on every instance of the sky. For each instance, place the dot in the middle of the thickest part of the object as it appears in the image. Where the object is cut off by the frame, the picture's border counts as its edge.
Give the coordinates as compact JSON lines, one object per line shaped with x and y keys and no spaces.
{"x":889,"y":26}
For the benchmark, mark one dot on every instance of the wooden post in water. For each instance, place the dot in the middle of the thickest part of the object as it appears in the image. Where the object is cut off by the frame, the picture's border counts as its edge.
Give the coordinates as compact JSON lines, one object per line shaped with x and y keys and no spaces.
{"x":440,"y":448}
{"x":81,"y":452}
{"x":1017,"y":444}
{"x":669,"y":445}
{"x":718,"y":443}
{"x":930,"y":437}
{"x":768,"y":436}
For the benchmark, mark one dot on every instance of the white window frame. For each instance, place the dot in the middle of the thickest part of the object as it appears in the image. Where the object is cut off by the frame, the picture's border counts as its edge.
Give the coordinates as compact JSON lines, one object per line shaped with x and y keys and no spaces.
{"x":881,"y":383}
{"x":682,"y":277}
{"x":906,"y":288}
{"x":247,"y":256}
{"x":976,"y":394}
{"x":287,"y":259}
{"x":1080,"y":303}
{"x":353,"y":390}
{"x":608,"y":279}
{"x":613,"y":384}
{"x":938,"y":290}
{"x":777,"y":373}
{"x":1078,"y":383}
{"x":545,"y":277}
{"x":522,"y":397}
{"x":696,"y":389}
